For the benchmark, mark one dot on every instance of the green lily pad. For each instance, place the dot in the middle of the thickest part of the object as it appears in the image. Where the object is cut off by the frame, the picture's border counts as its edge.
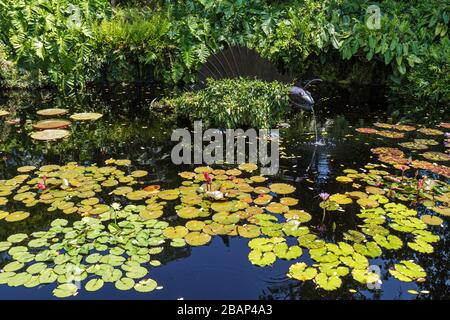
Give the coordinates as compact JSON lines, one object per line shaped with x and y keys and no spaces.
{"x":19,"y":279}
{"x":407,"y":271}
{"x":301,"y":271}
{"x":4,"y":276}
{"x":136,"y":272}
{"x":94,"y":284}
{"x":326,"y":282}
{"x":48,"y":276}
{"x":124,"y":284}
{"x":390,"y":242}
{"x":16,"y":238}
{"x":282,"y":251}
{"x":197,"y":238}
{"x":421,"y":246}
{"x":146,"y":285}
{"x":65,"y":290}
{"x":36,"y":268}
{"x":5,"y":245}
{"x":262,"y":259}
{"x":369,"y":249}
{"x":13,"y":266}
{"x":175,"y":232}
{"x":365,"y":276}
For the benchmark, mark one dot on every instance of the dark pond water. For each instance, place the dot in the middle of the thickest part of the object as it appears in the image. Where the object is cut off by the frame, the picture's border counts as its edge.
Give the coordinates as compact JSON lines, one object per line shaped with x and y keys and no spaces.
{"x":220,"y":270}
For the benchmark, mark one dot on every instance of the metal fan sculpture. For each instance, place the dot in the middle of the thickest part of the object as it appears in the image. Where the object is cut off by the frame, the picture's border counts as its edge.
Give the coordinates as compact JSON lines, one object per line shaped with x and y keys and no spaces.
{"x":236,"y":62}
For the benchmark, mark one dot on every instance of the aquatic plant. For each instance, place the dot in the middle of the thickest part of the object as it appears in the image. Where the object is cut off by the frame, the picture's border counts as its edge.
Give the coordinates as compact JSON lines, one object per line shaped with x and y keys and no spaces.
{"x":251,"y":207}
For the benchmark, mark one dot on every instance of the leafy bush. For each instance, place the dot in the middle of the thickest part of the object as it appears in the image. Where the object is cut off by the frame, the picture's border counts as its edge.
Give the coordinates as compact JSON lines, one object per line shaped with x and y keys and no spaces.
{"x":429,"y":84}
{"x":234,"y":103}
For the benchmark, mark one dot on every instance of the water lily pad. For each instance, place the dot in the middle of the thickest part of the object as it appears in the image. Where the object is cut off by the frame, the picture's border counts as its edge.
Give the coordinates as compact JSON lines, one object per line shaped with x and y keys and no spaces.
{"x":139,"y":174}
{"x":170,"y":194}
{"x":390,"y":242}
{"x":94,"y":284}
{"x":5,"y":276}
{"x":124,"y":284}
{"x":414,"y":145}
{"x":188,"y":212}
{"x":344,"y":179}
{"x":430,"y":132}
{"x":283,"y":251}
{"x":13,"y":266}
{"x":263,"y":199}
{"x":197,"y":238}
{"x":50,"y":134}
{"x":299,"y":215}
{"x":261,"y":259}
{"x":301,"y":272}
{"x":175,"y":232}
{"x":249,"y":231}
{"x":390,"y":134}
{"x":5,"y":245}
{"x":365,"y":276}
{"x":178,"y":243}
{"x":436,"y":156}
{"x":136,"y":272}
{"x":431,"y":220}
{"x":421,"y":246}
{"x":52,"y":112}
{"x":292,"y":228}
{"x":146,"y":285}
{"x":282,"y":188}
{"x":51,"y":124}
{"x":249,"y":167}
{"x":86,"y":116}
{"x":65,"y":290}
{"x":327,"y":282}
{"x":340,"y":198}
{"x":26,"y":169}
{"x":366,"y":130}
{"x":16,"y":238}
{"x":369,"y":249}
{"x":226,"y":217}
{"x":47,"y":276}
{"x":19,"y":279}
{"x":36,"y":268}
{"x":195,"y":225}
{"x":4,"y":113}
{"x":407,"y":271}
{"x":275,"y":207}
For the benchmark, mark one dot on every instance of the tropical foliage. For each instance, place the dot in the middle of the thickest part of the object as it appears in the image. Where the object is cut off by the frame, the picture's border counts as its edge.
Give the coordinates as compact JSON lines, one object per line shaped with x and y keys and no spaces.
{"x":66,"y":44}
{"x":52,"y":40}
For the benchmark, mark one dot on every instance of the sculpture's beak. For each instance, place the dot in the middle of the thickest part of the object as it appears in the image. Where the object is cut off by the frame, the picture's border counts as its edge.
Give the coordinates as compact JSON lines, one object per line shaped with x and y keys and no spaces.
{"x":301,"y":98}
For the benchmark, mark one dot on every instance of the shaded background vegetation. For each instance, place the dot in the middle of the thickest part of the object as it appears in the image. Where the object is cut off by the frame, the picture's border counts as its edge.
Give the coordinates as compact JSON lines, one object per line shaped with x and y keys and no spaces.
{"x":70,"y":44}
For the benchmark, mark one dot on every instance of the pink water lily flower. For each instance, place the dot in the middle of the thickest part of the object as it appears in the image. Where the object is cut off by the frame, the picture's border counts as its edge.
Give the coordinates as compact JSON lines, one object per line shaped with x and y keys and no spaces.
{"x":324,"y":196}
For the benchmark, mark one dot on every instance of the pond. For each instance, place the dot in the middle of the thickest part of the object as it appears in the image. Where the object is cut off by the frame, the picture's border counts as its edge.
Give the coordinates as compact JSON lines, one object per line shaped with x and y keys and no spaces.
{"x":216,"y":264}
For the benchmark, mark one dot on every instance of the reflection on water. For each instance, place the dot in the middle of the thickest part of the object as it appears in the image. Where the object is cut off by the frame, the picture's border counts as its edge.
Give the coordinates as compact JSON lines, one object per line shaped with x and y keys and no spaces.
{"x":129,"y":129}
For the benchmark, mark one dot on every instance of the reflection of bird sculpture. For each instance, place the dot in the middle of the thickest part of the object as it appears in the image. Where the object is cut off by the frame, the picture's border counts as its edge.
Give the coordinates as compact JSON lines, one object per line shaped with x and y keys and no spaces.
{"x":237,"y":61}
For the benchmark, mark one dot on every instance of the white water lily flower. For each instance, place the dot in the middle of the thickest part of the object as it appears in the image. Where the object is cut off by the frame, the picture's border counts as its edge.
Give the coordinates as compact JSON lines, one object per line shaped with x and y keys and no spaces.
{"x":216,"y":195}
{"x":116,"y":206}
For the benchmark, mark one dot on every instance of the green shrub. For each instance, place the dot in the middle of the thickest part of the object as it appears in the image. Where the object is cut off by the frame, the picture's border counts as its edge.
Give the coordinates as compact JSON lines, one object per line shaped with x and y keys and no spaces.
{"x":234,"y":103}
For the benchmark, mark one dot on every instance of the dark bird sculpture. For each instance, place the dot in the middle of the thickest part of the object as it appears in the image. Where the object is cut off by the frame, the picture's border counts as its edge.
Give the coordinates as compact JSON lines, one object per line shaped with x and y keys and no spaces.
{"x":237,"y":61}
